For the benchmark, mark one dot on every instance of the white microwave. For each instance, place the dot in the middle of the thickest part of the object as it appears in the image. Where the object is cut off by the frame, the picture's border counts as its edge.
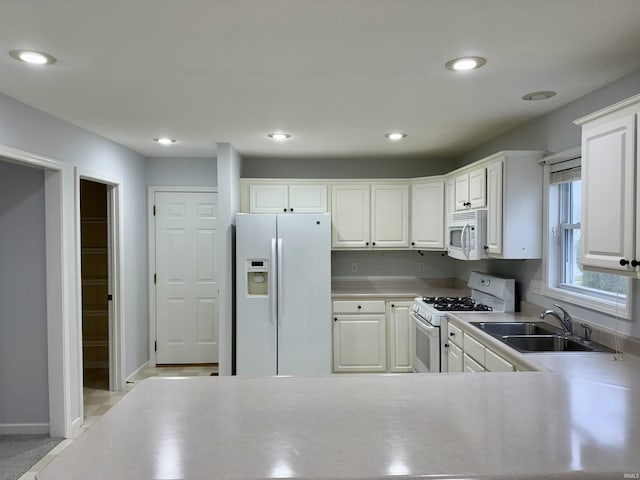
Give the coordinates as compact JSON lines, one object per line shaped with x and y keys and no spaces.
{"x":467,"y":234}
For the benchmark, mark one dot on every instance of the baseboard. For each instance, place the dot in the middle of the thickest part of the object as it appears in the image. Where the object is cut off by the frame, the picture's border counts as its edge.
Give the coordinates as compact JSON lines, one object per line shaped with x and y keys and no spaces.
{"x":24,"y":428}
{"x":76,"y":425}
{"x":136,"y":372}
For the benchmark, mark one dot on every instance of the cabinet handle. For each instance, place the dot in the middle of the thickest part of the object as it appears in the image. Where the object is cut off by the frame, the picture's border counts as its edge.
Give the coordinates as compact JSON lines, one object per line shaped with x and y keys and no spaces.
{"x":373,"y":243}
{"x":359,"y":307}
{"x":446,"y":345}
{"x":367,"y":243}
{"x":335,"y":319}
{"x":413,"y":243}
{"x":392,"y":305}
{"x":452,"y":334}
{"x":623,"y":262}
{"x":635,"y":263}
{"x":284,"y":209}
{"x":291,"y":209}
{"x":486,"y":247}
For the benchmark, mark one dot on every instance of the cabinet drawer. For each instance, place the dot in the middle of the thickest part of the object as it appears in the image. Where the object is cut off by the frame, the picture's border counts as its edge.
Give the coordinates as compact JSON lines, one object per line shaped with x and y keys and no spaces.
{"x":474,"y":349}
{"x":454,"y":334}
{"x":495,"y":363}
{"x":355,"y":306}
{"x":470,"y":365}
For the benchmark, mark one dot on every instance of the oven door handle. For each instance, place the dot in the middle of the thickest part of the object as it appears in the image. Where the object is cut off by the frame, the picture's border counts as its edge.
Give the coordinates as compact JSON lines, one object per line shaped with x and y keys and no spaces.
{"x":429,"y":329}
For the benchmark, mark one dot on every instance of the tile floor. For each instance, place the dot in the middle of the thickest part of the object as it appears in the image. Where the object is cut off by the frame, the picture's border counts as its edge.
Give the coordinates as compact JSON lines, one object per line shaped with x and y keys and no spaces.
{"x":98,"y":402}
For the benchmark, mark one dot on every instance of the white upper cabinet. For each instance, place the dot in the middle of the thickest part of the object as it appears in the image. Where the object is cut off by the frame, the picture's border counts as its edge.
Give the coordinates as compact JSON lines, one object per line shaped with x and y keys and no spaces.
{"x":470,"y":189}
{"x":427,"y":215}
{"x":514,"y":205}
{"x":287,"y":198}
{"x":609,"y":226}
{"x":390,"y":216}
{"x":350,"y":216}
{"x":370,"y":216}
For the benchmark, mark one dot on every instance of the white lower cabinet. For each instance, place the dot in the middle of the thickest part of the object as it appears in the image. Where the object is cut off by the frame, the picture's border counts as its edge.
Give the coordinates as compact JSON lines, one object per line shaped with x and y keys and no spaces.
{"x":359,"y":336}
{"x":400,"y":337}
{"x":454,"y":358}
{"x":372,"y":336}
{"x":465,"y":353}
{"x":469,"y":365}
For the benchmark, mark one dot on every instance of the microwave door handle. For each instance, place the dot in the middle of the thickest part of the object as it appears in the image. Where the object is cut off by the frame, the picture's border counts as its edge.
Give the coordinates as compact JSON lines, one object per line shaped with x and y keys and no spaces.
{"x":463,"y":240}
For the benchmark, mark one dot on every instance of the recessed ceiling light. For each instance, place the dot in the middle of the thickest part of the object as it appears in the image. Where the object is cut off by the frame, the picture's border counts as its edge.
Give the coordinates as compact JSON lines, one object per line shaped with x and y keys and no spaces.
{"x":465,"y":63}
{"x":279,"y":137}
{"x":164,"y":140}
{"x":542,"y":95}
{"x":395,"y":136}
{"x":31,"y":56}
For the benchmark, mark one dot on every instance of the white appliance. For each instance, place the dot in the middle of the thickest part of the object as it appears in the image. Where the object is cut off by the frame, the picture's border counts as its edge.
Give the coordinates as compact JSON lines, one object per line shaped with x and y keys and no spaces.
{"x":283,"y":294}
{"x":467,"y":234}
{"x":489,"y":293}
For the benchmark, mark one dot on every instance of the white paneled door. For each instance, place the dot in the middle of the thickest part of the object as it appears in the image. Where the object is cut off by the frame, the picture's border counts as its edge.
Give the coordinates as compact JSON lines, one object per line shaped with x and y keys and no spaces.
{"x":186,"y":283}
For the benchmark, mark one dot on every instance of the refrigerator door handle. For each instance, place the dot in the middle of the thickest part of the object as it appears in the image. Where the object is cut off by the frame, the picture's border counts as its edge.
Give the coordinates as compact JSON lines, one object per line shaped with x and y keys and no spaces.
{"x":280,"y":284}
{"x":272,"y":287}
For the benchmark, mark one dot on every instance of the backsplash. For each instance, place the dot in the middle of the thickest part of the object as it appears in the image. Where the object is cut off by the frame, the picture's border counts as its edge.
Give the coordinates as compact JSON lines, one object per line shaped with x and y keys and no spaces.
{"x":392,"y":264}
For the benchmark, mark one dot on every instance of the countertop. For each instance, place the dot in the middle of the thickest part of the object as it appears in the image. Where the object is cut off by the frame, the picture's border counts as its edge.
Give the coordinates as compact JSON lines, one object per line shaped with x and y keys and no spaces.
{"x":397,"y":287}
{"x":498,"y":425}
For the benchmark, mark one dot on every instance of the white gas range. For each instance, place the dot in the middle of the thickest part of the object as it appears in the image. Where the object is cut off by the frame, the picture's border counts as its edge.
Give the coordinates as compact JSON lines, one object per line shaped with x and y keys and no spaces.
{"x":489,"y":293}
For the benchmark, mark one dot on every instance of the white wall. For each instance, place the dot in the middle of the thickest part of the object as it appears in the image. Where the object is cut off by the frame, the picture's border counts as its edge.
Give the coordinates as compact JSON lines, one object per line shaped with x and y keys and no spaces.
{"x":229,"y":167}
{"x":183,"y":172}
{"x":556,"y":132}
{"x":23,"y":321}
{"x":25,"y":128}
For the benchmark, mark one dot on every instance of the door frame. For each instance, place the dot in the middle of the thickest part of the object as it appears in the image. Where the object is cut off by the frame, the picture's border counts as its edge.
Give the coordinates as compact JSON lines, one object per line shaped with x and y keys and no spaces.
{"x":151,"y":230}
{"x":116,"y":277}
{"x":57,"y":282}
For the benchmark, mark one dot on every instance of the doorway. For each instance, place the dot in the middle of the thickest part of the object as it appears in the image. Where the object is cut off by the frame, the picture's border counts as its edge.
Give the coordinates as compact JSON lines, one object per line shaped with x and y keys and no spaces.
{"x":95,"y":285}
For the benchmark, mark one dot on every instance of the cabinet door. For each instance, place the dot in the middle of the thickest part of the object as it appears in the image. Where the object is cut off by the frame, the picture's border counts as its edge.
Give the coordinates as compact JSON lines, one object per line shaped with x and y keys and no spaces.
{"x":400,"y":337}
{"x":350,"y":216}
{"x":359,"y":343}
{"x":390,"y":215}
{"x":454,"y":358}
{"x":462,"y":191}
{"x":495,"y":363}
{"x":268,"y":198}
{"x":478,"y":188}
{"x":494,"y":208}
{"x":427,"y":215}
{"x":469,"y":365}
{"x":449,"y":207}
{"x":307,"y":198}
{"x":608,"y":172}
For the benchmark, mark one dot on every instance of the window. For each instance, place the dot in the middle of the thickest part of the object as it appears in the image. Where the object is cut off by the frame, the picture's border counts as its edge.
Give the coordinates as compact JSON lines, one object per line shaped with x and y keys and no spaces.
{"x":565,"y":278}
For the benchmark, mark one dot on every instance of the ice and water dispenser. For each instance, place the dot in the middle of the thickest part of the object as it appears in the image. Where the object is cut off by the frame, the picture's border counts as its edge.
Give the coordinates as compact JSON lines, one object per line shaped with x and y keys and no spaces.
{"x":257,"y":271}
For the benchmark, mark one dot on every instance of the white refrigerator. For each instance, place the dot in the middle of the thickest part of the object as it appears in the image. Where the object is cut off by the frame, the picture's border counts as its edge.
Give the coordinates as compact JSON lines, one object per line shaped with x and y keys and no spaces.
{"x":283,"y":294}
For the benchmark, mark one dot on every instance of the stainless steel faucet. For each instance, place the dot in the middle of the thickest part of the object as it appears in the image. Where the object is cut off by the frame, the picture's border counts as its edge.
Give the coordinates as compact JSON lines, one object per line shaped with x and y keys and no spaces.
{"x":565,"y":319}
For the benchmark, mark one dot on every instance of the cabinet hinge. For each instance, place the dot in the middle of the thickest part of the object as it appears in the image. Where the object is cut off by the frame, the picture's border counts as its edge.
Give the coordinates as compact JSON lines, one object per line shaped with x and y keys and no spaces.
{"x":155,"y":278}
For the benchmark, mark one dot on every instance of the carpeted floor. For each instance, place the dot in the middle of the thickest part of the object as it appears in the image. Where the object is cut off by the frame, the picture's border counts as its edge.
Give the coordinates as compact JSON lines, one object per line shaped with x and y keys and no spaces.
{"x":18,"y":453}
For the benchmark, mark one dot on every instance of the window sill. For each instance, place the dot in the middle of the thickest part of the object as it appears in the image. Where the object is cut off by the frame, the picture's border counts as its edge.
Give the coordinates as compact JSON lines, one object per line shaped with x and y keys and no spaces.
{"x":602,"y":306}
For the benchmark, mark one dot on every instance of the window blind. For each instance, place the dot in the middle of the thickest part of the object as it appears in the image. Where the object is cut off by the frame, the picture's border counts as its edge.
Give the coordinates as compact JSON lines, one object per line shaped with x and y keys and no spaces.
{"x":563,"y":172}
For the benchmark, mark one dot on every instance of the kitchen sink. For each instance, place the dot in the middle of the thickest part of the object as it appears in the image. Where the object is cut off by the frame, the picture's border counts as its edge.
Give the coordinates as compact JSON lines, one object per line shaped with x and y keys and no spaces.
{"x":517,"y":328}
{"x":544,"y":343}
{"x":528,"y":337}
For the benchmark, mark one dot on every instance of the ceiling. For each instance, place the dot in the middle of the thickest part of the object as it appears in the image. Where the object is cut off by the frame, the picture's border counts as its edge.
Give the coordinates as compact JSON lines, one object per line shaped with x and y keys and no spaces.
{"x":335,"y":74}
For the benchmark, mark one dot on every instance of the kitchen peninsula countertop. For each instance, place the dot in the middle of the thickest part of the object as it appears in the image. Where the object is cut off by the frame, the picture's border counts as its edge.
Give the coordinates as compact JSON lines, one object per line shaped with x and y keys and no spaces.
{"x":397,"y":287}
{"x":528,"y":425}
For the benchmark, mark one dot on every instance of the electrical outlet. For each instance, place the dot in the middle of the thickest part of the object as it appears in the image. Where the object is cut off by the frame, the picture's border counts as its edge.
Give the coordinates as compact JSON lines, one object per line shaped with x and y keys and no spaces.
{"x":354,"y":267}
{"x":421,"y":267}
{"x":535,"y":286}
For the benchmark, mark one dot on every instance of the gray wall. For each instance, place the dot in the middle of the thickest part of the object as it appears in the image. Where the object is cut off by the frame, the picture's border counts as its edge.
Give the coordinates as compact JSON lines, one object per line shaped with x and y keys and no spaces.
{"x":23,"y":321}
{"x":392,"y":264}
{"x":556,"y":132}
{"x":25,"y":128}
{"x":184,"y":172}
{"x":399,"y":167}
